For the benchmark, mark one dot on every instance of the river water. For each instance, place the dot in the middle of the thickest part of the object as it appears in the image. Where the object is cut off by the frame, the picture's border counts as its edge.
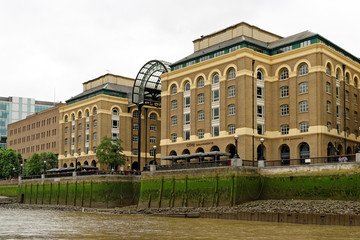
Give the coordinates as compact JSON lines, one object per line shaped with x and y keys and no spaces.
{"x":45,"y":224}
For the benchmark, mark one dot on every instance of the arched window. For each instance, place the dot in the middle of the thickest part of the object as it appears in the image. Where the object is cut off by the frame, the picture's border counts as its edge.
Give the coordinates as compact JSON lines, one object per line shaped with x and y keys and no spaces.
{"x":201,"y":82}
{"x":115,"y":112}
{"x":135,"y":114}
{"x":173,"y":90}
{"x":187,"y":86}
{"x":66,"y":118}
{"x":95,"y":111}
{"x":72,"y":117}
{"x":80,"y":115}
{"x":260,"y":75}
{"x":285,"y":154}
{"x":328,"y":69}
{"x":87,"y":114}
{"x":337,"y":74}
{"x":304,"y":150}
{"x":215,"y":78}
{"x":347,"y":77}
{"x":303,"y":87}
{"x":153,"y":116}
{"x":303,"y":70}
{"x":284,"y":74}
{"x":231,"y":74}
{"x":355,"y":82}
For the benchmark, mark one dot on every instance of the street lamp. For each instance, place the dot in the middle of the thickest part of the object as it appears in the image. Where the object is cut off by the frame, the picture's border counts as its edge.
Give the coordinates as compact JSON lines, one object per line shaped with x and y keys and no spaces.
{"x":44,"y":166}
{"x":154,"y":147}
{"x":13,"y":172}
{"x":21,"y":169}
{"x":76,"y":157}
{"x":236,"y":155}
{"x":262,"y":149}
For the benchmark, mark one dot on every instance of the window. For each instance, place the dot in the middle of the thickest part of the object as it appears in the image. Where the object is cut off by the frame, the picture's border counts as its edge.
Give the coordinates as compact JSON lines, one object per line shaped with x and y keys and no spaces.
{"x":174,"y":120}
{"x":201,"y":133}
{"x":135,"y":138}
{"x":303,"y":70}
{"x":285,"y":49}
{"x":284,"y":91}
{"x":303,"y":87}
{"x":95,"y":123}
{"x":328,"y":106}
{"x":201,"y":115}
{"x":231,"y":109}
{"x":79,"y":151}
{"x":304,"y":127}
{"x":231,"y":129}
{"x":135,"y":126}
{"x":79,"y":138}
{"x":284,"y":74}
{"x":200,"y":98}
{"x":187,"y":87}
{"x":152,"y":140}
{"x":355,"y":82}
{"x":337,"y":92}
{"x":231,"y":74}
{"x":260,"y":92}
{"x":260,"y":75}
{"x":328,"y":71}
{"x":347,"y":78}
{"x":66,"y":141}
{"x":186,"y":118}
{"x":346,"y":95}
{"x":66,"y":119}
{"x":66,"y":129}
{"x":87,"y":125}
{"x":135,"y":114}
{"x":347,"y":113}
{"x":214,"y":113}
{"x":328,"y":88}
{"x":87,"y":113}
{"x":231,"y":91}
{"x":328,"y":126}
{"x":95,"y":111}
{"x":153,"y":116}
{"x":115,"y":112}
{"x":201,"y":82}
{"x":135,"y":152}
{"x":80,"y":127}
{"x":87,"y":137}
{"x":215,"y":78}
{"x":152,"y":128}
{"x":305,"y":43}
{"x":260,"y":111}
{"x":215,"y":95}
{"x":355,"y":116}
{"x":338,"y":128}
{"x":260,"y":129}
{"x":94,"y":135}
{"x":186,"y":102}
{"x":337,"y":111}
{"x":355,"y":99}
{"x":215,"y":131}
{"x":284,"y":129}
{"x":173,"y":104}
{"x":284,"y":110}
{"x":173,"y":90}
{"x":115,"y":135}
{"x":304,"y":106}
{"x":173,"y":137}
{"x":115,"y":124}
{"x":186,"y":135}
{"x":94,"y":149}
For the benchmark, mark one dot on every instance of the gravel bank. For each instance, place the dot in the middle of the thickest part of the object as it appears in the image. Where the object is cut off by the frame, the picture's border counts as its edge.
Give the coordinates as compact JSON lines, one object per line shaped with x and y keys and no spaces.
{"x":263,"y":206}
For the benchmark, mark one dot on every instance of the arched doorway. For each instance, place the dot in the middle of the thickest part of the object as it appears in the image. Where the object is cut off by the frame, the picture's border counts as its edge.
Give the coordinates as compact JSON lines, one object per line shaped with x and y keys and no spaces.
{"x":260,"y":152}
{"x":214,"y":148}
{"x":71,"y":164}
{"x":186,"y":152}
{"x":65,"y":165}
{"x":348,"y":150}
{"x":200,"y":150}
{"x":304,"y":151}
{"x":331,"y":152}
{"x":173,"y":153}
{"x":285,"y":155}
{"x":86,"y":163}
{"x":134,"y":166}
{"x":230,"y":148}
{"x":93,"y":163}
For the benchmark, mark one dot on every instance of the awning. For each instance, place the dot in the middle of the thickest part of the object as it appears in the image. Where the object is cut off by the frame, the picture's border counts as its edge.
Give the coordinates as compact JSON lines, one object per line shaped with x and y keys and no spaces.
{"x":196,"y":155}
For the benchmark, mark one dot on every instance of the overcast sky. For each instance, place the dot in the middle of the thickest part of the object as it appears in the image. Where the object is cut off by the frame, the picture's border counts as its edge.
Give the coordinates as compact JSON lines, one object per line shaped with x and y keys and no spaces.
{"x":48,"y":48}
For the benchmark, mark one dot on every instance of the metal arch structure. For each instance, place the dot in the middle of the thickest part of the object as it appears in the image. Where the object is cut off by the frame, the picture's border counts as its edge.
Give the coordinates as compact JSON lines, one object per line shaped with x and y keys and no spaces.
{"x":147,"y":91}
{"x":147,"y":85}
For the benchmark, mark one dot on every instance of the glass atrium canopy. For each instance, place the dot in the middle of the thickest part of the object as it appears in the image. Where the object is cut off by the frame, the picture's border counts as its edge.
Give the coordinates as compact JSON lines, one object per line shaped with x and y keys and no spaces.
{"x":147,"y":85}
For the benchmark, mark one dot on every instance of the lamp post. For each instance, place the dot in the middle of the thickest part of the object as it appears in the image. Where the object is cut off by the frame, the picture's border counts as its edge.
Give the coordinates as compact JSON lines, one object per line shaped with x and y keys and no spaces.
{"x":13,"y":172}
{"x":44,"y":166}
{"x":21,"y":169}
{"x":236,"y":155}
{"x":154,"y":147}
{"x":76,"y":157}
{"x":262,"y":149}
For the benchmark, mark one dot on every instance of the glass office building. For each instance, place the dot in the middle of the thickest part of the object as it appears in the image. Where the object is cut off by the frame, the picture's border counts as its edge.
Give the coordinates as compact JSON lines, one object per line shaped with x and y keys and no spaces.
{"x":13,"y":109}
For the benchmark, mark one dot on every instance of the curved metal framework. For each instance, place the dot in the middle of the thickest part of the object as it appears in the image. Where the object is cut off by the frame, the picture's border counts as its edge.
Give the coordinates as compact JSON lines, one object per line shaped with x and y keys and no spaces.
{"x":147,"y":85}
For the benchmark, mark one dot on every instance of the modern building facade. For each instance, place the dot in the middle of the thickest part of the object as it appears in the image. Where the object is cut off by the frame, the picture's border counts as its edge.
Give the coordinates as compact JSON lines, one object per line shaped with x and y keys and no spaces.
{"x":13,"y":109}
{"x":300,"y":94}
{"x":36,"y":133}
{"x":104,"y":109}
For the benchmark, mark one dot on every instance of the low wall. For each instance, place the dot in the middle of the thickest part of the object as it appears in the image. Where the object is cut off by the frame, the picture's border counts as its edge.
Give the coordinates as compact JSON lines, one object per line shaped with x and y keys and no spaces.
{"x":90,"y":191}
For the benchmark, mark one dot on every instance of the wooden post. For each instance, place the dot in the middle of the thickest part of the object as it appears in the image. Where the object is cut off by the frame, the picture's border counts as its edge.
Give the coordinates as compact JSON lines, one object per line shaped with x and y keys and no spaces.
{"x":30,"y":192}
{"x":75,"y":193}
{"x":50,"y":193}
{"x":43,"y":192}
{"x":37,"y":192}
{"x":67,"y":191}
{"x":91,"y":193}
{"x":83,"y":193}
{"x":161,"y":191}
{"x":58,"y":194}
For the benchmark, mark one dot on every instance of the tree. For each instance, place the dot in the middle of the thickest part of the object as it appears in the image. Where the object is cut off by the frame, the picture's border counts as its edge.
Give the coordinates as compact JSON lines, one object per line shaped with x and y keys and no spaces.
{"x":35,"y":164}
{"x":109,"y":152}
{"x":9,"y":160}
